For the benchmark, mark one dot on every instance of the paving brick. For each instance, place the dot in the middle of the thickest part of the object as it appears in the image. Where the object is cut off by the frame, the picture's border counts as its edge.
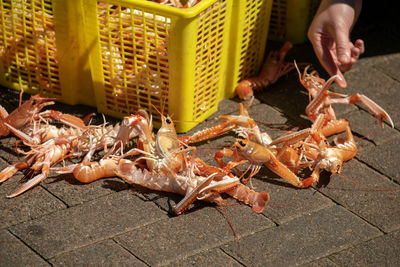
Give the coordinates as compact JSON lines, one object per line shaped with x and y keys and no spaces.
{"x":104,"y":253}
{"x":271,"y":120}
{"x":14,"y":253}
{"x":206,"y":151}
{"x":380,"y":251}
{"x":73,"y":192}
{"x":88,"y":223}
{"x":263,"y":113}
{"x":212,"y":257}
{"x":30,"y":205}
{"x":391,"y":66}
{"x":7,"y":151}
{"x":385,"y":158}
{"x":311,"y":227}
{"x":229,"y":106}
{"x":289,"y":97}
{"x":191,"y":233}
{"x":9,"y":98}
{"x":166,"y":201}
{"x":366,"y":128}
{"x":323,"y":262}
{"x":287,"y":202}
{"x":378,"y":207}
{"x":304,"y":239}
{"x":225,"y":106}
{"x":378,"y":86}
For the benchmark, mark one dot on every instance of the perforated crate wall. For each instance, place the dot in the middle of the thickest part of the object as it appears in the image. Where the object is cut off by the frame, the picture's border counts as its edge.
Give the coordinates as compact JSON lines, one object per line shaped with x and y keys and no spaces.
{"x":146,"y":56}
{"x":249,"y":33}
{"x":149,"y":56}
{"x":42,"y":50}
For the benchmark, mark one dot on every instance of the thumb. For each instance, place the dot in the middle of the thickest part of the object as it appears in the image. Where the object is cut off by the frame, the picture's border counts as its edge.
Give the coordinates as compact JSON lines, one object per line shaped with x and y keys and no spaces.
{"x":343,"y":52}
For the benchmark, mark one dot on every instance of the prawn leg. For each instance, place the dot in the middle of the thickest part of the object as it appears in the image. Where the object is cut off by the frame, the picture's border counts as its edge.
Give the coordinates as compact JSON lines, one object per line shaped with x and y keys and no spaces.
{"x":373,"y":107}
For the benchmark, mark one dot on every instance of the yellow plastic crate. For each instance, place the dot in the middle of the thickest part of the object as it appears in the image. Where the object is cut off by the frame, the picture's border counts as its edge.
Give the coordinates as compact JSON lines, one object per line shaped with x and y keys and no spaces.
{"x":250,"y":25}
{"x":145,"y":55}
{"x":290,"y":20}
{"x":42,"y":49}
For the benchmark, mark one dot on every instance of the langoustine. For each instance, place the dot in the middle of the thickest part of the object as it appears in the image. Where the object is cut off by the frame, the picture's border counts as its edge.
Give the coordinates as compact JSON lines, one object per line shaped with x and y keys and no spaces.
{"x":321,"y":99}
{"x":168,"y":168}
{"x":273,"y":68}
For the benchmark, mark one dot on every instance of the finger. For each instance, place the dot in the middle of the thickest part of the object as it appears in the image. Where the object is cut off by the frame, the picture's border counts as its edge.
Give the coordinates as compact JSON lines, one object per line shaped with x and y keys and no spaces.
{"x":327,"y":58}
{"x":321,"y":46}
{"x":360,"y":45}
{"x":348,"y":66}
{"x":342,"y":46}
{"x":328,"y":61}
{"x":355,"y":53}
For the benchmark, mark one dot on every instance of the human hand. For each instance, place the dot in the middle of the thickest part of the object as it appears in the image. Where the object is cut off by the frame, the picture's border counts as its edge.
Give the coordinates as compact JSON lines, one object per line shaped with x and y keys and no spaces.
{"x":329,"y":34}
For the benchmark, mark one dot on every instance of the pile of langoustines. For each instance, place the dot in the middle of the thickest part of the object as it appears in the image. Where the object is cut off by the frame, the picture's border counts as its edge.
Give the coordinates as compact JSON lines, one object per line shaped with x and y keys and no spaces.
{"x":165,"y":162}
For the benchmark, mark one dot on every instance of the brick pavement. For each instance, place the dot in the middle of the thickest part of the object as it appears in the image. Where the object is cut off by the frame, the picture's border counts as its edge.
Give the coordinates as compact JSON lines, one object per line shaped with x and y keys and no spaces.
{"x":63,"y":222}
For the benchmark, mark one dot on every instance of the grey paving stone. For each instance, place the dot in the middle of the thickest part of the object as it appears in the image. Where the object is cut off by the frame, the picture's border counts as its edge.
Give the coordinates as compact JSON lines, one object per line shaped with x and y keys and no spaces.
{"x":380,"y":251}
{"x":206,"y":151}
{"x":369,"y":199}
{"x":104,"y":253}
{"x":287,"y":202}
{"x":225,"y":106}
{"x":271,"y":120}
{"x":263,"y":113}
{"x":14,"y":253}
{"x":289,"y":97}
{"x":266,"y":117}
{"x":385,"y":158}
{"x":88,"y":223}
{"x":191,"y":233}
{"x":73,"y":192}
{"x":323,"y":262}
{"x":372,"y":61}
{"x":304,"y":239}
{"x":390,"y":66}
{"x":366,"y":128}
{"x":7,"y":151}
{"x":212,"y":257}
{"x":377,"y":86}
{"x":30,"y":205}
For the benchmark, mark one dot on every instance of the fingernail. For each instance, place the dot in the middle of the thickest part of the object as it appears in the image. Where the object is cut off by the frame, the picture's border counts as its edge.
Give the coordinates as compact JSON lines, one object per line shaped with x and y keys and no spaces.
{"x":341,"y":82}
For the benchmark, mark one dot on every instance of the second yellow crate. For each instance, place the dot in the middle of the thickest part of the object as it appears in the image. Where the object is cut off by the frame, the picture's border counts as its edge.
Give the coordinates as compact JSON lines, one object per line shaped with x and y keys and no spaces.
{"x":145,"y":55}
{"x":249,"y":31}
{"x":290,"y":19}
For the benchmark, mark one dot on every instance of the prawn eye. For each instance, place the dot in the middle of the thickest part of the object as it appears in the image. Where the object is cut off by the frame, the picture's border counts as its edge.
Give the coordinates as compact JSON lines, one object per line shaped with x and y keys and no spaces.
{"x":167,"y":120}
{"x":241,"y":143}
